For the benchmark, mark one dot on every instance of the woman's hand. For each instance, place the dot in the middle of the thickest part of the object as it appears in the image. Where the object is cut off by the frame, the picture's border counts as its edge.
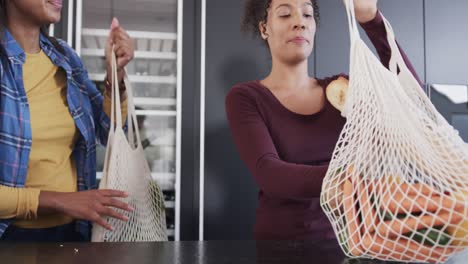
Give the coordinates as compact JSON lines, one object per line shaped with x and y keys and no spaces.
{"x":365,"y":10}
{"x":91,"y":205}
{"x":124,"y":50}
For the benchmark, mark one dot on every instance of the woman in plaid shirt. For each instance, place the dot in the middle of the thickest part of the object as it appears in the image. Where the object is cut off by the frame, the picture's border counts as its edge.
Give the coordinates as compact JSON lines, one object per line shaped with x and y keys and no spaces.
{"x":51,"y":118}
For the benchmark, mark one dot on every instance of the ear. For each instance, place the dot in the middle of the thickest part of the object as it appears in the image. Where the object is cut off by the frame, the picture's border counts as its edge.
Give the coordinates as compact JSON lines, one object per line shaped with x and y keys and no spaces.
{"x":262,"y":27}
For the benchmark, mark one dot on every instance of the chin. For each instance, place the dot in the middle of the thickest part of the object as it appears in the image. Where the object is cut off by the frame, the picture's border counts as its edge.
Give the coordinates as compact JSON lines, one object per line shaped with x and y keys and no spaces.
{"x":53,"y":15}
{"x":52,"y":19}
{"x":298,"y":57}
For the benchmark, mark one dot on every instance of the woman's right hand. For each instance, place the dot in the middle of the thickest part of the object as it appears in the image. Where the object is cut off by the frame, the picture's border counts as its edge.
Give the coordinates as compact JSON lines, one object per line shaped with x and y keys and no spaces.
{"x":91,"y":205}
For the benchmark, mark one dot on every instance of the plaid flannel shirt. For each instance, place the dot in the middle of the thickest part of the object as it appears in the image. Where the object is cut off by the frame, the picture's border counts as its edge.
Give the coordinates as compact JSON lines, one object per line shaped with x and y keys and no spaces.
{"x":85,"y":103}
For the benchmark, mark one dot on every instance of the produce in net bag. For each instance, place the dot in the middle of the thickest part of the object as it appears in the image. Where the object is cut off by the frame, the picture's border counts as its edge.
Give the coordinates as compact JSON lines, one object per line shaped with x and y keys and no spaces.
{"x":397,"y":184}
{"x":126,"y":169}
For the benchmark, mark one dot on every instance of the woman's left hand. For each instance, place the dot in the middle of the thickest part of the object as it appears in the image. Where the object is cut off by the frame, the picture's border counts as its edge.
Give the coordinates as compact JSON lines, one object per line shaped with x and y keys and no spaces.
{"x":365,"y":10}
{"x":124,"y":50}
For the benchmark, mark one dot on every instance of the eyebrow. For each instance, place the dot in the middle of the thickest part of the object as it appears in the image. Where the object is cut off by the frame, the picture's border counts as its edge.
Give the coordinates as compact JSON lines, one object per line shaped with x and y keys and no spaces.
{"x":288,"y":5}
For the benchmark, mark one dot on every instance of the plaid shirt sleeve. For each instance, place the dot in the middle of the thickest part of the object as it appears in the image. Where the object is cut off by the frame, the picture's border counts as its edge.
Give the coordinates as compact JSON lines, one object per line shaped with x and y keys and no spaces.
{"x":101,"y":120}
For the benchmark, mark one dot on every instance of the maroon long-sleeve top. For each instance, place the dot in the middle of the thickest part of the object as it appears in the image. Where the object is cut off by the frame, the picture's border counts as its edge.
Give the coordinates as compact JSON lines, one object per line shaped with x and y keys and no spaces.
{"x":288,"y":153}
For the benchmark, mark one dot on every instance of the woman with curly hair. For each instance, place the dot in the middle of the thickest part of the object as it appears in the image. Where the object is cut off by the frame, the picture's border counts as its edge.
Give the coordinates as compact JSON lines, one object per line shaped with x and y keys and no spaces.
{"x":283,"y":125}
{"x":51,"y":116}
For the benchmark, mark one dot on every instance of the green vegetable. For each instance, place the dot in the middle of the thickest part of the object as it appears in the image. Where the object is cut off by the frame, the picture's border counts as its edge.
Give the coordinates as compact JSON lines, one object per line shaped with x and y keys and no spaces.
{"x":427,"y":236}
{"x":339,"y":170}
{"x":430,"y":236}
{"x":388,"y":216}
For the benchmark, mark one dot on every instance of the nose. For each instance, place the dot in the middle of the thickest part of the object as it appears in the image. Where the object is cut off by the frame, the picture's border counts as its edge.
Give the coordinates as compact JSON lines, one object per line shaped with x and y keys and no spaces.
{"x":299,"y":23}
{"x":299,"y":26}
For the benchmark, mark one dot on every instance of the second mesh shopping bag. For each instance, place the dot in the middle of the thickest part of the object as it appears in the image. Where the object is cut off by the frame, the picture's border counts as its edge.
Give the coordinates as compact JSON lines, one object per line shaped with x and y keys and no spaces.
{"x":126,"y":169}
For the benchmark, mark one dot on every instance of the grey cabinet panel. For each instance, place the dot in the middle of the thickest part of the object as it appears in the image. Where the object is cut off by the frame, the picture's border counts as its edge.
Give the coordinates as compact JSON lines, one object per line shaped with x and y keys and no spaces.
{"x":332,"y":40}
{"x":231,"y":57}
{"x":447,"y":41}
{"x":332,"y":44}
{"x":189,"y":184}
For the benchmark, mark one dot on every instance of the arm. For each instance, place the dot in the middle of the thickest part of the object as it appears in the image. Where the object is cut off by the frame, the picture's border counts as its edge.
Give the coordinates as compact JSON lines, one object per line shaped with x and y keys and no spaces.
{"x":107,"y":105}
{"x":375,"y":29}
{"x":101,"y":104}
{"x":21,"y":203}
{"x":101,"y":108}
{"x":371,"y":21}
{"x":29,"y":203}
{"x":273,"y":175}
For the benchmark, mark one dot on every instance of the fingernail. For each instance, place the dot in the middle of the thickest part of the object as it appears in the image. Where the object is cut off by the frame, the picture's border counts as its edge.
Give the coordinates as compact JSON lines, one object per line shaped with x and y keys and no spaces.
{"x":131,"y":209}
{"x":125,"y":218}
{"x":115,"y":23}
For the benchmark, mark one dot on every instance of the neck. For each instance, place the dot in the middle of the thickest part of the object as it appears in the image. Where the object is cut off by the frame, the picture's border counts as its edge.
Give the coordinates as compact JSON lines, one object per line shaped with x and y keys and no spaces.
{"x":289,"y":76}
{"x":25,"y":32}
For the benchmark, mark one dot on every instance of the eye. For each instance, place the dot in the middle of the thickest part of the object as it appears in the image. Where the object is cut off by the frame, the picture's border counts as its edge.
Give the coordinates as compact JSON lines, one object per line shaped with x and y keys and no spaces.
{"x":284,"y":12}
{"x":308,"y":15}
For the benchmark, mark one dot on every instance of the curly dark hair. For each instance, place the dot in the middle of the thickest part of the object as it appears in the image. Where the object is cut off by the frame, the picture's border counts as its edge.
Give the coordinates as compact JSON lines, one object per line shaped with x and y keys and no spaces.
{"x":256,"y":11}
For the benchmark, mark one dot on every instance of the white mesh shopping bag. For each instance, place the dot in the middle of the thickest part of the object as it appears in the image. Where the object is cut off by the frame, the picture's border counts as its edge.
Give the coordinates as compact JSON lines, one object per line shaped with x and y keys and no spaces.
{"x":397,"y":184}
{"x":126,"y":169}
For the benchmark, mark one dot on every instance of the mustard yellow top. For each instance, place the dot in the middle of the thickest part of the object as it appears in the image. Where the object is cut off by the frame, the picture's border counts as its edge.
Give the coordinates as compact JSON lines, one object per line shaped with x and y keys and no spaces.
{"x":54,"y":134}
